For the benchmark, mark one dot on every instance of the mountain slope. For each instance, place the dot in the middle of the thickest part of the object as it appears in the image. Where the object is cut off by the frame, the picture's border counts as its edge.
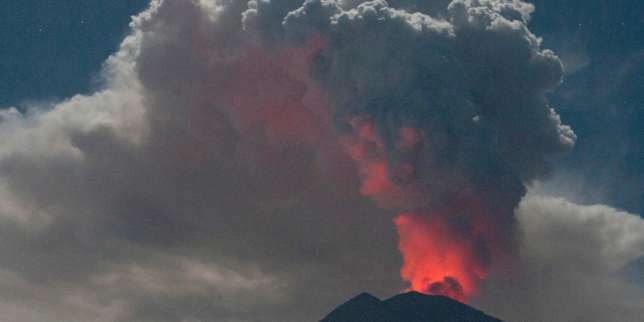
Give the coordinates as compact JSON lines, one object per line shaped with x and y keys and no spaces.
{"x":407,"y":307}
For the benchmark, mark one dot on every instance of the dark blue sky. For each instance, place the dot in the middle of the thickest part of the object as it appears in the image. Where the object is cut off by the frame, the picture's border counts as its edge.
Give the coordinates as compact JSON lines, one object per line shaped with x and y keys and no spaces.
{"x":51,"y":50}
{"x":602,"y":96}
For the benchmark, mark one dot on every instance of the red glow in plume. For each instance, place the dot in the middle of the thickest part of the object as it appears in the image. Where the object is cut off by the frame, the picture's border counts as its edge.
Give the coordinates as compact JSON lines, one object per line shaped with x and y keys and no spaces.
{"x":272,"y":91}
{"x":367,"y":149}
{"x":435,"y":261}
{"x":272,"y":96}
{"x":446,"y":251}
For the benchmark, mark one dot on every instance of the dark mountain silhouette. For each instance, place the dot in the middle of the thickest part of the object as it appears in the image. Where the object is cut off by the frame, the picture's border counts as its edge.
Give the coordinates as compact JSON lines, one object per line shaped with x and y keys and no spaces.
{"x":407,"y":307}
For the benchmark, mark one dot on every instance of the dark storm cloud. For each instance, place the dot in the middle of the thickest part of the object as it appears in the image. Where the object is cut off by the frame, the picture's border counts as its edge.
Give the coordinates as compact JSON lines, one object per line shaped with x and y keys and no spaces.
{"x":156,"y":193}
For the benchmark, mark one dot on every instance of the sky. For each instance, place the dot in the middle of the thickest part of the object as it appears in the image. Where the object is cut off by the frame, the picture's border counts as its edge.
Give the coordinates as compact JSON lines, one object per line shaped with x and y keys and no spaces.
{"x":602,"y":96}
{"x":54,"y":50}
{"x":198,"y":160}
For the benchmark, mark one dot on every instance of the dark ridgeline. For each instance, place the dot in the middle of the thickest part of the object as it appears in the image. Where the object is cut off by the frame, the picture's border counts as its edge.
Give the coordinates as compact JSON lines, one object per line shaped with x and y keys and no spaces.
{"x":408,"y":307}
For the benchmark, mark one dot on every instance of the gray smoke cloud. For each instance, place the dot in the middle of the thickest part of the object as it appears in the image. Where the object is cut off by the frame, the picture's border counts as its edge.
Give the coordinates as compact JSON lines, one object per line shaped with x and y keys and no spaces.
{"x":175,"y":192}
{"x":457,"y":104}
{"x":473,"y":82}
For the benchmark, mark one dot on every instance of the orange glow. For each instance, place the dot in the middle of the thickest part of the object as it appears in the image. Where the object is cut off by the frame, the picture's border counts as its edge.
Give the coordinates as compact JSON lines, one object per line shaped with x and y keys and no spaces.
{"x":442,"y":249}
{"x":447,"y":250}
{"x":435,"y":260}
{"x":408,"y":138}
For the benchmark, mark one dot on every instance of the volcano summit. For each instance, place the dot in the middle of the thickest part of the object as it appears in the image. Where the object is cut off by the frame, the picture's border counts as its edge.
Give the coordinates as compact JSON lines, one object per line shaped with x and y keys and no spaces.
{"x":407,"y":307}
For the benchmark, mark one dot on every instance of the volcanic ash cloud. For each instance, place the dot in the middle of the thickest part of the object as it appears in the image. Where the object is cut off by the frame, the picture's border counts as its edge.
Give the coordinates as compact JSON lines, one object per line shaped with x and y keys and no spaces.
{"x":446,"y":119}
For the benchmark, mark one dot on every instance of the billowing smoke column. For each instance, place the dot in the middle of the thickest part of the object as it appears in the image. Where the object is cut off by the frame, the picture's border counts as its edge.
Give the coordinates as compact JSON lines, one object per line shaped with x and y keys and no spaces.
{"x":445,"y":117}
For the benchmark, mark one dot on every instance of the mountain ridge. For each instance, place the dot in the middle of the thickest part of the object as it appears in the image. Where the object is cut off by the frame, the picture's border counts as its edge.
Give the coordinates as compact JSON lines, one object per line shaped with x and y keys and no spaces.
{"x":406,"y":307}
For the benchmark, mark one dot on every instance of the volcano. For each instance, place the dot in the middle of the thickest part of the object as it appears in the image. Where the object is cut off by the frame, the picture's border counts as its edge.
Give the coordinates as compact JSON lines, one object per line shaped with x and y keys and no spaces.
{"x":407,"y":307}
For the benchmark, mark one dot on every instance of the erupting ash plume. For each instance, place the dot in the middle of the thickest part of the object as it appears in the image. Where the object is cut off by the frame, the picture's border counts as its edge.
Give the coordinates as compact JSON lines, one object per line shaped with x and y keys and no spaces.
{"x":445,"y":117}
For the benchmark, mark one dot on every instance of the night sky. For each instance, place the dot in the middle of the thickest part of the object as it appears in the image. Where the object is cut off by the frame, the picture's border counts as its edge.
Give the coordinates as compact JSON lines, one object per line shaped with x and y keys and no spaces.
{"x":52,"y":50}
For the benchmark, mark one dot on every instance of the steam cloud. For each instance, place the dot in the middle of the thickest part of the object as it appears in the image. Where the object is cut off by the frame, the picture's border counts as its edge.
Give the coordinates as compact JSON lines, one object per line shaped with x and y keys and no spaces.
{"x":221,"y":170}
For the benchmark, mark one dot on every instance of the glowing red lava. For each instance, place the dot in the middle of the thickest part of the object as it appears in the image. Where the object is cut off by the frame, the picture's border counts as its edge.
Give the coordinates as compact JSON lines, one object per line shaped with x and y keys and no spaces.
{"x":435,"y":262}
